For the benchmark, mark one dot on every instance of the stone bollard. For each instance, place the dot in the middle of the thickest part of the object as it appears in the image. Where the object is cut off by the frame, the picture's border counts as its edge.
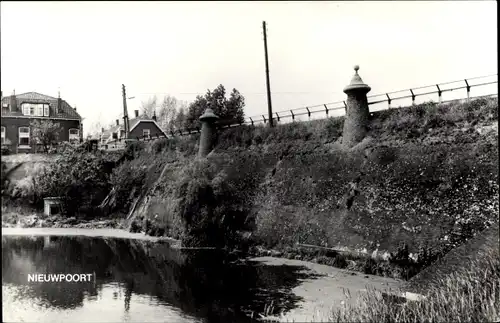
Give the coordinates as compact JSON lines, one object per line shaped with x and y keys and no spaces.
{"x":357,"y":116}
{"x":208,"y":120}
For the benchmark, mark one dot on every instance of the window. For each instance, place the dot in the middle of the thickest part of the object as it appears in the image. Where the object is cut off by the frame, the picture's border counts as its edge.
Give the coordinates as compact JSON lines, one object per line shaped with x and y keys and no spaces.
{"x":26,"y":109}
{"x":145,"y":132}
{"x":3,"y":135}
{"x":24,"y":136}
{"x":35,"y":109}
{"x":115,"y":135}
{"x":74,"y":135}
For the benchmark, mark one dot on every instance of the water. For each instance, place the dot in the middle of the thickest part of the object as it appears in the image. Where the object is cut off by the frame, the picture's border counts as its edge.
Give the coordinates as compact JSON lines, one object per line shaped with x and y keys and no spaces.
{"x":138,"y":281}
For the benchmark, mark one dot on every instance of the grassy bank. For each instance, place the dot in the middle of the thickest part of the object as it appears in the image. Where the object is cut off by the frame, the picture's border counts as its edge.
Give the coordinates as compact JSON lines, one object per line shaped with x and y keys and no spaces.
{"x":423,"y":181}
{"x":470,"y":293}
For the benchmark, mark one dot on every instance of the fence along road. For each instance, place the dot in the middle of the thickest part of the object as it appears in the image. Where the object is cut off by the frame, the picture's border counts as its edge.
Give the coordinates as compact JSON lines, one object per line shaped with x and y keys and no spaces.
{"x":485,"y":86}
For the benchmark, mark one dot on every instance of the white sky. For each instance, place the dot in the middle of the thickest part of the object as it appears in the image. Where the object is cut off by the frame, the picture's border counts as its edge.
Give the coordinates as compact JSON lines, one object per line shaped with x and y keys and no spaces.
{"x":88,"y":49}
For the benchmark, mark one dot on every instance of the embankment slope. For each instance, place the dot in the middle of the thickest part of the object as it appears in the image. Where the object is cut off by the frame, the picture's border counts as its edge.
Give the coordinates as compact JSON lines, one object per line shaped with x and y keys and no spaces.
{"x":426,"y":176}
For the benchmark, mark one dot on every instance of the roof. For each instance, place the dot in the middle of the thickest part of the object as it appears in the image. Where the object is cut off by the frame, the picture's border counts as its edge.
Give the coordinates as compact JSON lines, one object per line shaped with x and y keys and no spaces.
{"x":132,"y":123}
{"x":33,"y":97}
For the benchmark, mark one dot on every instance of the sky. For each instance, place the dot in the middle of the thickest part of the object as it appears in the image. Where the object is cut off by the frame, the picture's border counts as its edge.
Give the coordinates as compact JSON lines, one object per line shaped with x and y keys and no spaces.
{"x":87,"y":50}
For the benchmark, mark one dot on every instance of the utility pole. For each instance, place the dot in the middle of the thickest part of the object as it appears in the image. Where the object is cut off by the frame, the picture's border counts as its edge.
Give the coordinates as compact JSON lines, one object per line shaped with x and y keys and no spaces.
{"x":269,"y":104}
{"x":125,"y":113}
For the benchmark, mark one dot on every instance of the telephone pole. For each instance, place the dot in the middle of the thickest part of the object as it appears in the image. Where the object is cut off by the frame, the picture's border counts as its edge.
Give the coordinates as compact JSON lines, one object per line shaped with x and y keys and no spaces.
{"x":125,"y":113}
{"x":269,"y":104}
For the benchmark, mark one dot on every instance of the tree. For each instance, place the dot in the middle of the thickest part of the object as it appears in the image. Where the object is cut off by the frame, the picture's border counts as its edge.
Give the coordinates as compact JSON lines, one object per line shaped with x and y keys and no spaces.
{"x":230,"y":110}
{"x":148,"y":108}
{"x":45,"y":132}
{"x":180,"y":120}
{"x":168,"y":112}
{"x":235,"y":105}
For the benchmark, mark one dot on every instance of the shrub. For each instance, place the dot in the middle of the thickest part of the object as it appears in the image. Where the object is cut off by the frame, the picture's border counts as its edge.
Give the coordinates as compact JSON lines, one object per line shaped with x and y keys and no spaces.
{"x":6,"y":151}
{"x":79,"y":179}
{"x":127,"y":181}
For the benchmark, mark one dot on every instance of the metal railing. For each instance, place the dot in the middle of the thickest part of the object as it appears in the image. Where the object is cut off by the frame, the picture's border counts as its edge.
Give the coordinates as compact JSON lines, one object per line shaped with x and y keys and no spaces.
{"x":388,"y":97}
{"x":326,"y":108}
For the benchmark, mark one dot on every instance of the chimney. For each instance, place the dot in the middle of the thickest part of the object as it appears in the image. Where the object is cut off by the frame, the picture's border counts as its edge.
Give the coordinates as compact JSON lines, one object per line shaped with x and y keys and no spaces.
{"x":154,"y":115}
{"x":13,"y":102}
{"x":117,"y":122}
{"x":136,"y":113}
{"x":59,"y":102}
{"x":102,"y":130}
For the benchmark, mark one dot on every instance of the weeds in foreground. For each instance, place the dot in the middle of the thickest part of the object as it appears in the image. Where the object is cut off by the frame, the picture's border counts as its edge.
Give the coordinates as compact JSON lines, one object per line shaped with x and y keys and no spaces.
{"x":469,"y":295}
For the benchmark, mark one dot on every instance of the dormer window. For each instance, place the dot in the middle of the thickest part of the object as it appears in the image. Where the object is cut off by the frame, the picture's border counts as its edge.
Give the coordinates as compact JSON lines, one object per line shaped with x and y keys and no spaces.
{"x":35,"y":109}
{"x":115,"y":135}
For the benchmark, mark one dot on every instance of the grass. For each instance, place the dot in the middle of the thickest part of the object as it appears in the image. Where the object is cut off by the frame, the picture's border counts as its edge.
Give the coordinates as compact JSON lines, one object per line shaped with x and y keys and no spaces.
{"x":404,"y":123}
{"x":469,"y":295}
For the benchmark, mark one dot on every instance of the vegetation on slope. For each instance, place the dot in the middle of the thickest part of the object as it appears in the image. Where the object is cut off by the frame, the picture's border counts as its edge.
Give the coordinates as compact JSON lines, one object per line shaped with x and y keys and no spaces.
{"x":468,"y":293}
{"x":423,"y":181}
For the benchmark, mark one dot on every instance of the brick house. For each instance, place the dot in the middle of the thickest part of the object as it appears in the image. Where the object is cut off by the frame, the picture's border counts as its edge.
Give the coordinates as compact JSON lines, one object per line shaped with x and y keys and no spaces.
{"x":140,"y":127}
{"x":18,"y":111}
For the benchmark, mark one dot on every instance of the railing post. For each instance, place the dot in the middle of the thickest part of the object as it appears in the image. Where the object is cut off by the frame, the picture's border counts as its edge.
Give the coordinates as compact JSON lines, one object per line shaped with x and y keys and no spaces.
{"x":388,"y":100}
{"x":412,"y":97}
{"x":468,"y":90}
{"x":326,"y":109}
{"x":345,"y":107}
{"x":293,"y":115}
{"x":439,"y":93}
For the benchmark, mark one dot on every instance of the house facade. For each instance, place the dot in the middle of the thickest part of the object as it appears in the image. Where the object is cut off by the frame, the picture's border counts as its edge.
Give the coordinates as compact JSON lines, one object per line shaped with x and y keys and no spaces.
{"x":18,"y":111}
{"x":140,"y":127}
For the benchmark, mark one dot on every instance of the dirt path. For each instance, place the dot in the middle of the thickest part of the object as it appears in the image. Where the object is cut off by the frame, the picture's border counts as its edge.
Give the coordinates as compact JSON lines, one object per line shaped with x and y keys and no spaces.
{"x":321,"y":295}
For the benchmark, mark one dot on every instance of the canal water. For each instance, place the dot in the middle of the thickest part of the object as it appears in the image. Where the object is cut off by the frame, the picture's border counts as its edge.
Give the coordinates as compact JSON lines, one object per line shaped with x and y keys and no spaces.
{"x":138,"y":281}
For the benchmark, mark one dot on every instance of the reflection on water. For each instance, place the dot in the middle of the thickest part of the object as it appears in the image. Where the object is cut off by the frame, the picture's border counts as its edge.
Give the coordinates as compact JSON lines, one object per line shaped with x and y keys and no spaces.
{"x":137,"y":281}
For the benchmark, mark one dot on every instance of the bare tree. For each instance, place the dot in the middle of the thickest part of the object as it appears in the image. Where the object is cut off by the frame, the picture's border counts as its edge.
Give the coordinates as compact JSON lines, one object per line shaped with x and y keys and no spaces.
{"x":168,"y":112}
{"x":148,"y":108}
{"x":45,"y":132}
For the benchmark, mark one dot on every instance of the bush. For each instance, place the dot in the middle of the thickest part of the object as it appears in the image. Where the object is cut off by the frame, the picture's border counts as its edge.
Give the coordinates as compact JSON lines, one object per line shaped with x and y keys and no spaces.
{"x":127,"y":181}
{"x":80,"y":179}
{"x":213,"y":202}
{"x":6,"y":151}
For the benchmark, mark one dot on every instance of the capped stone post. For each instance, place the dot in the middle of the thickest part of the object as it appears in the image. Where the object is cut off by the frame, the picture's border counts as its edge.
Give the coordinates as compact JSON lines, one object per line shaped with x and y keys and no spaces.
{"x":208,"y":120}
{"x":357,"y":115}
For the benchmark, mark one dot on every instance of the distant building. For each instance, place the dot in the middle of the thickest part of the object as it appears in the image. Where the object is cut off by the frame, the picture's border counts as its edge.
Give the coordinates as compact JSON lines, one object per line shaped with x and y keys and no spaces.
{"x":18,"y":111}
{"x":140,"y":128}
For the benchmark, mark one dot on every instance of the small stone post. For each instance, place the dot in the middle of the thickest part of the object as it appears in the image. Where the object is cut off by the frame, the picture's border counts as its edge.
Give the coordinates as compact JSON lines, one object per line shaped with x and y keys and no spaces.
{"x":208,"y":120}
{"x":357,"y":116}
